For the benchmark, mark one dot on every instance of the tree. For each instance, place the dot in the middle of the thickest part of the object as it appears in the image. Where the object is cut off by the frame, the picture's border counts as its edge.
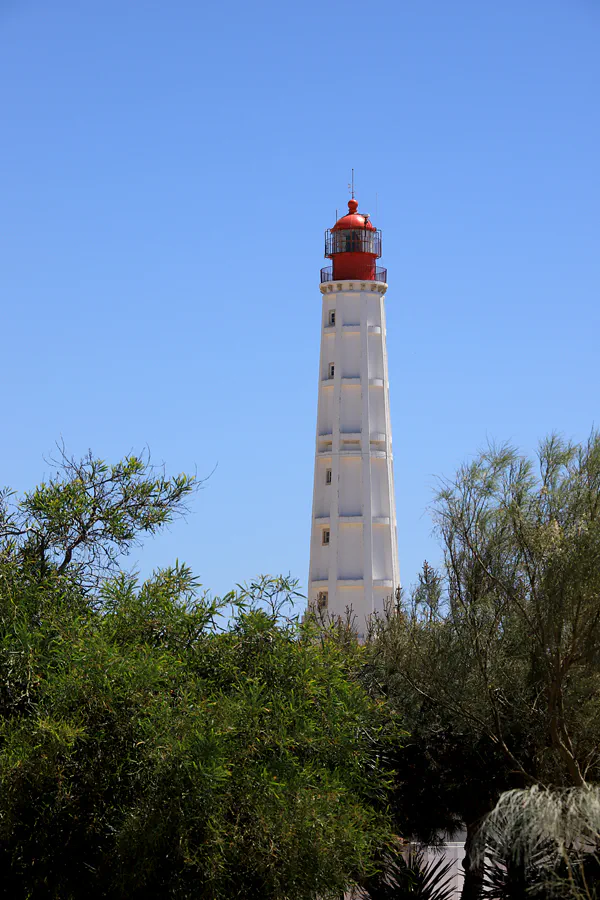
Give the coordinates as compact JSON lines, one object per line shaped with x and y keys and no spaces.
{"x":503,"y":646}
{"x":88,"y":515}
{"x":543,"y":843}
{"x":147,"y":749}
{"x":522,"y":557}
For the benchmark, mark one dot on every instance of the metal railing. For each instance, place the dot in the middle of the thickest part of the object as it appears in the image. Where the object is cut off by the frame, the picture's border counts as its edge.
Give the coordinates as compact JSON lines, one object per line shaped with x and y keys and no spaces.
{"x":380,"y":275}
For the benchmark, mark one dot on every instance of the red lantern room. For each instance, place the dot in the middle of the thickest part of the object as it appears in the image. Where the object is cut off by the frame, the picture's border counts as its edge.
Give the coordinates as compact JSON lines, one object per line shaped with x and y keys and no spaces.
{"x":353,"y":245}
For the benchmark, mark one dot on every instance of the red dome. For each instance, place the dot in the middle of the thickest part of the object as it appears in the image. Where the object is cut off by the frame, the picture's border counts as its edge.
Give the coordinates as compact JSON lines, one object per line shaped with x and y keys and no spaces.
{"x":353,"y":219}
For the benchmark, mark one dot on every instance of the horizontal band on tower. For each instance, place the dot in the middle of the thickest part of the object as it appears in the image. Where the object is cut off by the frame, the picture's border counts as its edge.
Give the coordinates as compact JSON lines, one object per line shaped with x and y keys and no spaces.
{"x":323,"y":521}
{"x":379,"y":286}
{"x":354,"y":582}
{"x":327,"y":453}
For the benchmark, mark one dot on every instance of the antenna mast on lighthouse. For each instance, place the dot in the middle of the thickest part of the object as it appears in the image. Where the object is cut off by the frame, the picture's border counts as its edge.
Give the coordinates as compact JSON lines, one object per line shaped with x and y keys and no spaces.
{"x":354,"y":544}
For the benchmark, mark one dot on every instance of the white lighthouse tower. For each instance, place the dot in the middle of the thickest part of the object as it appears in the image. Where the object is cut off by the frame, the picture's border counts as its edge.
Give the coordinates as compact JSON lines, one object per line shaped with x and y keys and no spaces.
{"x":354,"y":544}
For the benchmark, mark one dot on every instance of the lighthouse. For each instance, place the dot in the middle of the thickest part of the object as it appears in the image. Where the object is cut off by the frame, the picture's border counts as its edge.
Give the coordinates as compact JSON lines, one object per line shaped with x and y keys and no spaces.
{"x":354,"y":543}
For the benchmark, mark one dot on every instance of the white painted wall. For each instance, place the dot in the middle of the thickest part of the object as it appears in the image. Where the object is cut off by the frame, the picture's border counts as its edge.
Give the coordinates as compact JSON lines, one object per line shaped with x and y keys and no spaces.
{"x":359,"y":566}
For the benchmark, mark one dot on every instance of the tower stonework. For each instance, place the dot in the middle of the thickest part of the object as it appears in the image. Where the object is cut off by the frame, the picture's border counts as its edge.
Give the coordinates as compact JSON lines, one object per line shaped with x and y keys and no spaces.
{"x":354,"y":544}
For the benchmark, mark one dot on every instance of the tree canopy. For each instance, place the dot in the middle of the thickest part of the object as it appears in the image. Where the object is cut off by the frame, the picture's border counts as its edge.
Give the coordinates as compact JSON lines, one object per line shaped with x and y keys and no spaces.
{"x":149,"y":748}
{"x":158,"y":742}
{"x":494,"y":661}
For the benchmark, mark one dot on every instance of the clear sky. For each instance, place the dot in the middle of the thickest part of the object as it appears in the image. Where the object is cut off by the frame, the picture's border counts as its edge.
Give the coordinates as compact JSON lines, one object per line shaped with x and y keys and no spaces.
{"x":167,"y":170}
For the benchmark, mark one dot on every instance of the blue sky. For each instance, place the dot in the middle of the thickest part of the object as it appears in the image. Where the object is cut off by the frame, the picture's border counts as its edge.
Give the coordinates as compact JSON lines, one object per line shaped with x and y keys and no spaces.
{"x":166,"y":173}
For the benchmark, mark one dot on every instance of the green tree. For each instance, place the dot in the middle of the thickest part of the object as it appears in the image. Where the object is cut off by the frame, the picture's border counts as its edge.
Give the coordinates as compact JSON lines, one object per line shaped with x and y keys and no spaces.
{"x":149,"y":750}
{"x":502,"y":648}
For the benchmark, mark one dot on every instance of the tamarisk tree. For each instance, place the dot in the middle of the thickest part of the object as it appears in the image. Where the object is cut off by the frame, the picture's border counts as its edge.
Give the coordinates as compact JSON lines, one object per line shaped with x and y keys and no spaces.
{"x":499,"y":653}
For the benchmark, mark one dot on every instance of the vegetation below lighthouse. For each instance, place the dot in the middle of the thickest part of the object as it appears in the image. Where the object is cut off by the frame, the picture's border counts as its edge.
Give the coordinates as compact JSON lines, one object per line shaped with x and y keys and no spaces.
{"x":146,"y":752}
{"x":150,"y":748}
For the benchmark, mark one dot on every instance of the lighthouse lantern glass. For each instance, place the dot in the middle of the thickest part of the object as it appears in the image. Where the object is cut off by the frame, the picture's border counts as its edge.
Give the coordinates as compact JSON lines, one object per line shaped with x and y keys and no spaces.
{"x":353,"y":240}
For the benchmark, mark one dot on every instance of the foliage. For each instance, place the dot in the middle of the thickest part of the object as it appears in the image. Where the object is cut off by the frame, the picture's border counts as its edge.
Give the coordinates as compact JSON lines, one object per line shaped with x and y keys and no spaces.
{"x":88,"y":514}
{"x":523,"y":578}
{"x":407,"y":873}
{"x":496,"y":658}
{"x":542,"y":843}
{"x":539,"y":821}
{"x":507,"y":641}
{"x":145,"y":750}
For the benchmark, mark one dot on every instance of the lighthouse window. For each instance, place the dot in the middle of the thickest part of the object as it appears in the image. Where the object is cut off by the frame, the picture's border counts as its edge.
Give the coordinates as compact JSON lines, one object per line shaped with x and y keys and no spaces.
{"x":331,"y":370}
{"x":322,"y":600}
{"x":332,"y":316}
{"x":325,"y":537}
{"x":327,"y":476}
